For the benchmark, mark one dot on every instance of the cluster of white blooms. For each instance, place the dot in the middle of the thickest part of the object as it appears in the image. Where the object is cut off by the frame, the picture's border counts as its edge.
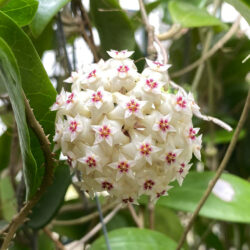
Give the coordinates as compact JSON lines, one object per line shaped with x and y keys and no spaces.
{"x":126,"y":132}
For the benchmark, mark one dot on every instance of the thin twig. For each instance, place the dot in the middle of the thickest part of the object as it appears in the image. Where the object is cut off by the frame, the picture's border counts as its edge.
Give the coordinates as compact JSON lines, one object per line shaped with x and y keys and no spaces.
{"x":151,"y":210}
{"x":174,"y":29}
{"x":88,"y":39}
{"x":206,"y":46}
{"x":218,"y":172}
{"x":97,"y":228}
{"x":212,"y":51}
{"x":63,"y":42}
{"x":104,"y":229}
{"x":47,"y":178}
{"x":134,"y":216}
{"x":83,"y":219}
{"x":150,"y":30}
{"x":58,"y":244}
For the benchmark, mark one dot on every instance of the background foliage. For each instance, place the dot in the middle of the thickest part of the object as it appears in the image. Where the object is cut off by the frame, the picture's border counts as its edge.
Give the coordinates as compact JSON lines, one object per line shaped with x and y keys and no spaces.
{"x":30,"y":28}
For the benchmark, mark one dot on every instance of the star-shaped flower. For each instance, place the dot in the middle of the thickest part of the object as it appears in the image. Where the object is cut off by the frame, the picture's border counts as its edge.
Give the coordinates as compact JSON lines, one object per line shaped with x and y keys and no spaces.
{"x":120,"y":55}
{"x":74,"y":127}
{"x":123,"y":167}
{"x":60,"y":101}
{"x":157,"y":66}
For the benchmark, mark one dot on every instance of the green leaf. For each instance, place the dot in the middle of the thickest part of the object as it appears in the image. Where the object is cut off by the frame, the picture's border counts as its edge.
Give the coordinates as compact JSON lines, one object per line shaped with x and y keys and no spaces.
{"x":3,"y":2}
{"x":230,"y":202}
{"x":7,"y":199}
{"x":35,"y":82}
{"x":52,"y":199}
{"x":222,"y":136}
{"x":190,"y":16}
{"x":5,"y":144}
{"x":46,"y":10}
{"x":21,"y":11}
{"x":243,"y":6}
{"x":10,"y":77}
{"x":114,"y":27}
{"x":134,"y":239}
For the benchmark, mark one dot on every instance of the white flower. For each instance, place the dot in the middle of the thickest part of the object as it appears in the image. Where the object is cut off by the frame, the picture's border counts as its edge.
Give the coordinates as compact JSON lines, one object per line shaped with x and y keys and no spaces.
{"x":120,"y":55}
{"x":146,"y":150}
{"x":123,"y":167}
{"x":157,"y":66}
{"x":73,"y":128}
{"x":60,"y":101}
{"x":123,"y":131}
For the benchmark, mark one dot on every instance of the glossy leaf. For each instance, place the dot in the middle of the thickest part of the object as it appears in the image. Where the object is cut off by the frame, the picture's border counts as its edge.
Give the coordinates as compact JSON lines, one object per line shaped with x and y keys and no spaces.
{"x":10,"y":77}
{"x":114,"y":27}
{"x":35,"y":82}
{"x":7,"y":199}
{"x":223,"y":136}
{"x":243,"y":6}
{"x":47,"y":9}
{"x":134,"y":239}
{"x":229,"y":202}
{"x":21,"y":11}
{"x":5,"y":144}
{"x":49,"y":204}
{"x":189,"y":15}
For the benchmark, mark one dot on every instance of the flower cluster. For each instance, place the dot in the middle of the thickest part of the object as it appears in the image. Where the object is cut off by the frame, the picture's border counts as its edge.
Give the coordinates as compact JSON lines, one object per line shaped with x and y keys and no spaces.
{"x":126,"y":132}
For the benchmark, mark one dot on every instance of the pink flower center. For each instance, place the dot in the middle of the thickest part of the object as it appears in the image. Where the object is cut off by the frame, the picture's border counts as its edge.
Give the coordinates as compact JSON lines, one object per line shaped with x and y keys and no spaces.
{"x":170,"y":157}
{"x":133,"y":106}
{"x":73,"y":126}
{"x":159,"y":194}
{"x":97,"y":97}
{"x":123,"y":167}
{"x":107,"y":185}
{"x":180,"y":170}
{"x":128,"y":200}
{"x":123,"y":69}
{"x":151,"y":83}
{"x":92,"y":74}
{"x":192,"y":134}
{"x":90,"y":161}
{"x":181,"y":102}
{"x":148,"y":184}
{"x":158,"y":64}
{"x":70,"y":98}
{"x":145,"y":149}
{"x":163,"y":125}
{"x":105,"y":131}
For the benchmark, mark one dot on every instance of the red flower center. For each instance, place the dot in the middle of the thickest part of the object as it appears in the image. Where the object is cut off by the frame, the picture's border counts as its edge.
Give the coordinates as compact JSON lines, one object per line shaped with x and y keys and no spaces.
{"x":128,"y":200}
{"x":105,"y":131}
{"x":123,"y":69}
{"x":97,"y":97}
{"x":91,"y":162}
{"x":163,"y":125}
{"x":148,"y":184}
{"x":70,"y":98}
{"x":123,"y":167}
{"x":151,"y":83}
{"x":73,"y":126}
{"x":181,"y":102}
{"x":92,"y":74}
{"x":107,"y":185}
{"x":145,"y":149}
{"x":170,"y":157}
{"x":133,"y":106}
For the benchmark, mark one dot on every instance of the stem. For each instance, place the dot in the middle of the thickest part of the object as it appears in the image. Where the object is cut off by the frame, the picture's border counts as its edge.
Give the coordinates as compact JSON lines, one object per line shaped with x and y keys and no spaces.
{"x":218,"y":172}
{"x":58,"y":244}
{"x":63,"y":42}
{"x":175,"y":28}
{"x":104,"y":229}
{"x":89,"y":235}
{"x":47,"y":178}
{"x":212,"y":51}
{"x":134,"y":216}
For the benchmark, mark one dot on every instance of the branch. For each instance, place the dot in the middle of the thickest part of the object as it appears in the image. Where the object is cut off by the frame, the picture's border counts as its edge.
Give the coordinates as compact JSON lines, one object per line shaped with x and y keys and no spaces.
{"x":83,"y":219}
{"x":211,"y":52}
{"x":58,"y":244}
{"x":134,"y":216}
{"x":98,"y":227}
{"x":150,"y":30}
{"x":175,"y":28}
{"x":47,"y":179}
{"x":219,"y":171}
